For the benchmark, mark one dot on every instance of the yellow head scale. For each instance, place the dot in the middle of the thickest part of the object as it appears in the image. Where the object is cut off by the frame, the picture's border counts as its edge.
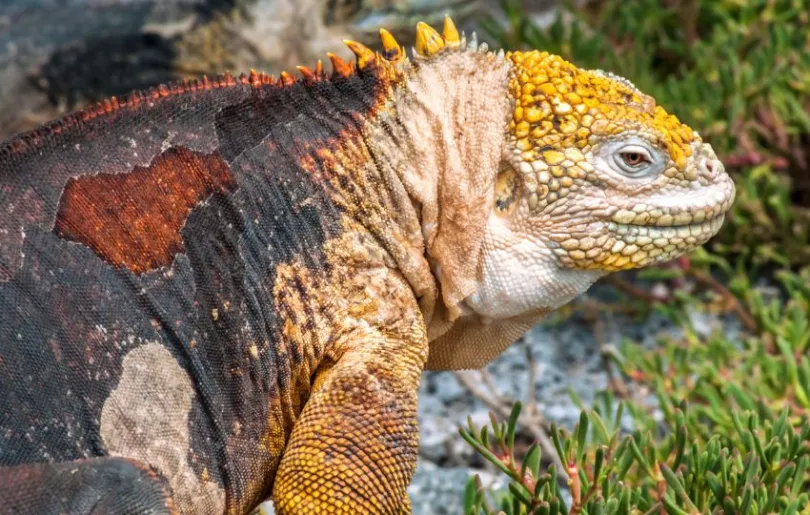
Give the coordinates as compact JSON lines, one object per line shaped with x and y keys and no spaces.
{"x":561,"y":106}
{"x":615,"y":180}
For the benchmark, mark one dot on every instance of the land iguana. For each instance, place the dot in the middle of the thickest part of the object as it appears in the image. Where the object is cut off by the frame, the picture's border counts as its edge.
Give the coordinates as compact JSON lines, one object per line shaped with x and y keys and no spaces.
{"x":224,"y":290}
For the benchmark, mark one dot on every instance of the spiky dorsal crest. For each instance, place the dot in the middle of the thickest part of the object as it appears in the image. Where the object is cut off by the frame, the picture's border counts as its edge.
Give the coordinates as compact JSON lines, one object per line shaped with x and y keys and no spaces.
{"x":392,"y":51}
{"x":428,"y":43}
{"x":392,"y":61}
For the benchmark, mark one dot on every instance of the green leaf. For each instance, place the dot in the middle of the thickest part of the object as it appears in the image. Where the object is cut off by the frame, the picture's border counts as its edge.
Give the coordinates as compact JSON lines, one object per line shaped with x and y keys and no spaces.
{"x":472,"y":495}
{"x":599,"y":459}
{"x":519,"y":493}
{"x":556,"y":437}
{"x":512,"y":424}
{"x":531,"y":462}
{"x":581,"y":434}
{"x":799,"y":478}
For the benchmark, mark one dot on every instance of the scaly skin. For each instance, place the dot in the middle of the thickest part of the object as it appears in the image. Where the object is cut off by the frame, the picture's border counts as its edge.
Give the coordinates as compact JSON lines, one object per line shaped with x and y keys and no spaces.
{"x":225,"y":290}
{"x":564,"y":120}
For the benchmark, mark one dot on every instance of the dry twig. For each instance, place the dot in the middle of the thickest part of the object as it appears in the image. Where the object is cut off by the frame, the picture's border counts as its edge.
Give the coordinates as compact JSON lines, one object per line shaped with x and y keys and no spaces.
{"x":530,"y":418}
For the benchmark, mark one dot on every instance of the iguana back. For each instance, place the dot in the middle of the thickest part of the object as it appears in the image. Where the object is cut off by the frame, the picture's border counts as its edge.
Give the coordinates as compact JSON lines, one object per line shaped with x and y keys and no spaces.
{"x":140,"y":245}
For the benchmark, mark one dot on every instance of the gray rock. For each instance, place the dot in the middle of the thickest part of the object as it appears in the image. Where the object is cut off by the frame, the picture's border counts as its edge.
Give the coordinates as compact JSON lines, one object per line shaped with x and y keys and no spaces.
{"x":439,"y":491}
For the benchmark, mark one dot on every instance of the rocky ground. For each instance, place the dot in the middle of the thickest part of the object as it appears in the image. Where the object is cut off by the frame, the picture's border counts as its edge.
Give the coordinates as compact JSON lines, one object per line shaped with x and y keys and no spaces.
{"x":564,"y":356}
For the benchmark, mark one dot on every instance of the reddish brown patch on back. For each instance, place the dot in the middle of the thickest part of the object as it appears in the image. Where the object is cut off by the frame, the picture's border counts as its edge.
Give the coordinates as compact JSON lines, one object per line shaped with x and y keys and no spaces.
{"x":134,"y":219}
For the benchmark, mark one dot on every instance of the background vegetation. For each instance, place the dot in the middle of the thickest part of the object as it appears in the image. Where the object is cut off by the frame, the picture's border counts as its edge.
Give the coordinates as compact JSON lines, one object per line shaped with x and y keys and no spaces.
{"x":717,"y":424}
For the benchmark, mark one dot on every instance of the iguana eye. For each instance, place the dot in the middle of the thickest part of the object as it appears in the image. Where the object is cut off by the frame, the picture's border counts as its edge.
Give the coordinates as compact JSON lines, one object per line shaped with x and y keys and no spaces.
{"x":633,"y":160}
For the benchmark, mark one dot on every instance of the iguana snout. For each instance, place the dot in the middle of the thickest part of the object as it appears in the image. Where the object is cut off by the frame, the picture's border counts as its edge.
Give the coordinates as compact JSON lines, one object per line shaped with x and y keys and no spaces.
{"x":632,"y":205}
{"x":656,"y":222}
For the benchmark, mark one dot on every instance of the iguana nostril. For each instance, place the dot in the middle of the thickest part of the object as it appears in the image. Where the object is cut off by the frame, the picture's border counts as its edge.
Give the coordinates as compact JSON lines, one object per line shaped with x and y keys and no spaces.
{"x":711,"y":167}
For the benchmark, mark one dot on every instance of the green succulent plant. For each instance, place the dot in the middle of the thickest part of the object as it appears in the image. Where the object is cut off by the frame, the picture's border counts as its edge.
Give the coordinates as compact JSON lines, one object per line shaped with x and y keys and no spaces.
{"x":726,"y":429}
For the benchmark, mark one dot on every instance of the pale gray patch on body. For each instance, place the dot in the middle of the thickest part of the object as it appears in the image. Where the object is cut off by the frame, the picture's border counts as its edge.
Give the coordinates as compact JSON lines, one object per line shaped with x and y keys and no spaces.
{"x":146,"y":418}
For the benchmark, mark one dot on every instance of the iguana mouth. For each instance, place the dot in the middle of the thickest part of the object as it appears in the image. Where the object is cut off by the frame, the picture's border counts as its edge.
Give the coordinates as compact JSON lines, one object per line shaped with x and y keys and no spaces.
{"x":708,"y":220}
{"x":652,"y":217}
{"x":679,"y":236}
{"x":692,"y":224}
{"x":679,"y":211}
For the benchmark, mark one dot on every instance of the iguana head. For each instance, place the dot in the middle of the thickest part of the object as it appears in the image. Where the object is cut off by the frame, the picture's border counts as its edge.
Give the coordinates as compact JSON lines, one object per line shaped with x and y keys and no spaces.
{"x":595,"y":178}
{"x":534,"y":178}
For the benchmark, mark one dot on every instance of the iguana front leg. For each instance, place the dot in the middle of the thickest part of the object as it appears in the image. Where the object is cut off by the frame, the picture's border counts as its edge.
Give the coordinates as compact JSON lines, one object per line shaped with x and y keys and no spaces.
{"x":354,"y":448}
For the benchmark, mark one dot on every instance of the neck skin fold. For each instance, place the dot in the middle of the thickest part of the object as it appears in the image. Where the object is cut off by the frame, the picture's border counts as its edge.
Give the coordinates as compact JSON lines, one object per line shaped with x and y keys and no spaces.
{"x":440,"y":143}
